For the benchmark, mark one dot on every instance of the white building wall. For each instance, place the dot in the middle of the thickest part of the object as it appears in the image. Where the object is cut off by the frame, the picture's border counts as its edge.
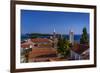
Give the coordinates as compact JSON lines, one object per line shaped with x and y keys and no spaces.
{"x":74,"y":55}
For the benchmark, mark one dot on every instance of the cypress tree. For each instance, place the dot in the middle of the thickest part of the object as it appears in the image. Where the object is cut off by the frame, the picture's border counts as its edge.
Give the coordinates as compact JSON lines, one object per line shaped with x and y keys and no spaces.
{"x":84,"y":37}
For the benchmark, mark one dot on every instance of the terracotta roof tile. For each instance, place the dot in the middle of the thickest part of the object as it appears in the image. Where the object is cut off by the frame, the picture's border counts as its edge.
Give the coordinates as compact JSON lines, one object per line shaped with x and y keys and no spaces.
{"x":25,"y":45}
{"x":41,"y":51}
{"x":40,"y":40}
{"x":79,"y":48}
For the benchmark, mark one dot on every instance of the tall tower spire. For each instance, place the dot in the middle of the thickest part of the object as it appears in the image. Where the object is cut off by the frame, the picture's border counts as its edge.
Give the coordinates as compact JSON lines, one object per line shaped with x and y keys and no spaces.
{"x":54,"y":33}
{"x":71,"y":36}
{"x":54,"y":30}
{"x":54,"y":38}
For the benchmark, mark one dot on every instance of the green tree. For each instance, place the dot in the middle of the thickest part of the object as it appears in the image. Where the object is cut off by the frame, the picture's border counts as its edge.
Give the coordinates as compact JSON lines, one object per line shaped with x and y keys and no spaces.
{"x":84,"y":37}
{"x":63,"y":47}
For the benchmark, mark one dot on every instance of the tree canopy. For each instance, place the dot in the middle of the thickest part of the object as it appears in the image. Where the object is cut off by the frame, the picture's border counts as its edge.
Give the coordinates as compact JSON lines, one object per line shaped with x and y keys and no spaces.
{"x":63,"y":47}
{"x":84,"y":37}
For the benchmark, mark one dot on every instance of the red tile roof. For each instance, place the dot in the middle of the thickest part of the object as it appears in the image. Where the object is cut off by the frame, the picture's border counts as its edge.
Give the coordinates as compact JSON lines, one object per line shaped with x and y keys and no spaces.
{"x":79,"y":48}
{"x":40,"y":40}
{"x":41,"y":51}
{"x":25,"y":45}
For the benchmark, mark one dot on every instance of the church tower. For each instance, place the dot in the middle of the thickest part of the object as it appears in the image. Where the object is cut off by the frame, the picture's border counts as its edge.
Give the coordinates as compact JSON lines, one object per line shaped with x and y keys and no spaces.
{"x":54,"y":39}
{"x":54,"y":34}
{"x":71,"y":36}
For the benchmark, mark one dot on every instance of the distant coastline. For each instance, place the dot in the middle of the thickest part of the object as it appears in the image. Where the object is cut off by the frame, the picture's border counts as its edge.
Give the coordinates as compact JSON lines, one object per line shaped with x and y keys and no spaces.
{"x":38,"y":35}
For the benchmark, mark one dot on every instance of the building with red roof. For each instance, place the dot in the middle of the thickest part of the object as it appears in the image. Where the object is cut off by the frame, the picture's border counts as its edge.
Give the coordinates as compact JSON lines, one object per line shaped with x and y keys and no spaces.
{"x":38,"y":40}
{"x":78,"y":51}
{"x":42,"y":42}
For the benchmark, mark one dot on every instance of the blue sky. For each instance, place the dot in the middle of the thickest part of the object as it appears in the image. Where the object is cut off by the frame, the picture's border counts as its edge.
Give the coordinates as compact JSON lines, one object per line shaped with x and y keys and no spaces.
{"x":45,"y":21}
